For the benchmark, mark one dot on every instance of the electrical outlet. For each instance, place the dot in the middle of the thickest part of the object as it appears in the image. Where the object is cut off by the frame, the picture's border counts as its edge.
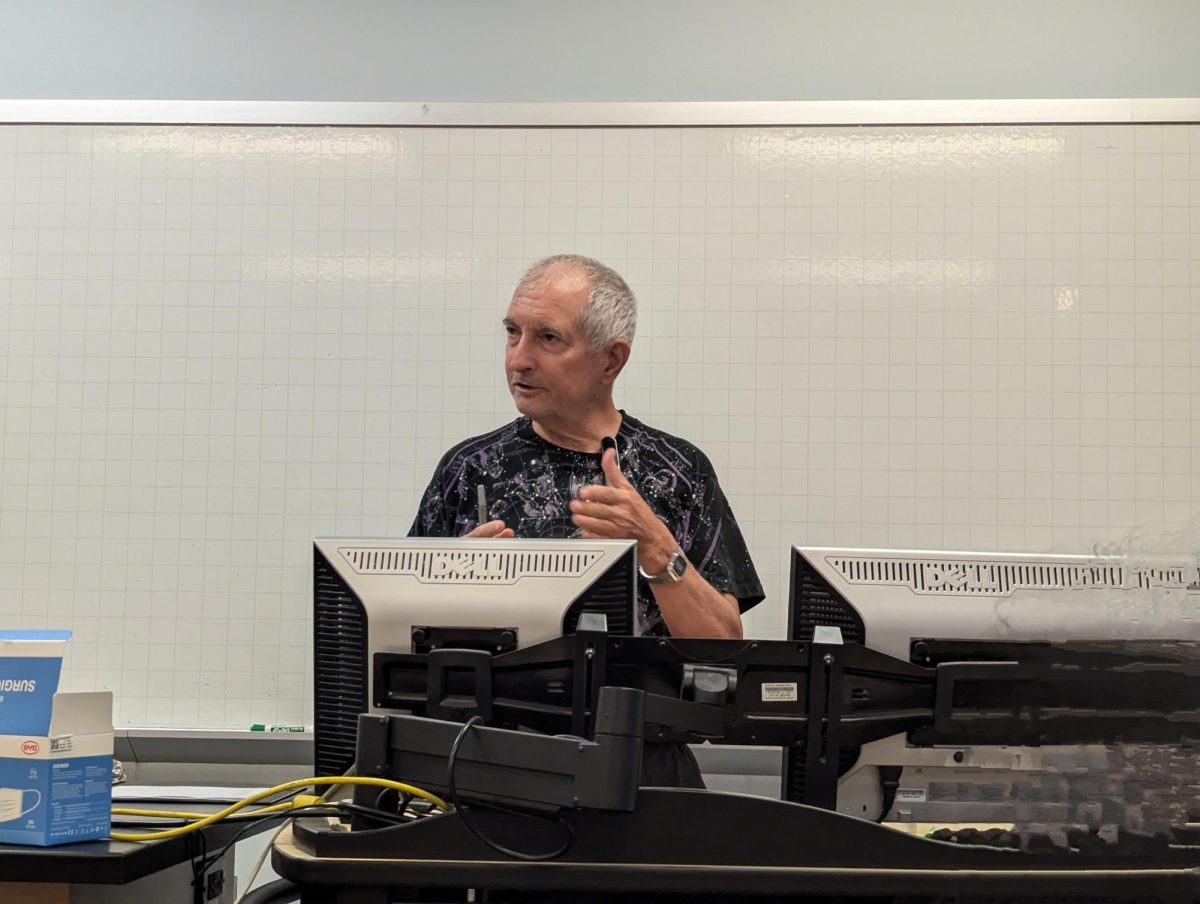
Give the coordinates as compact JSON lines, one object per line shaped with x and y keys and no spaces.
{"x":214,"y":885}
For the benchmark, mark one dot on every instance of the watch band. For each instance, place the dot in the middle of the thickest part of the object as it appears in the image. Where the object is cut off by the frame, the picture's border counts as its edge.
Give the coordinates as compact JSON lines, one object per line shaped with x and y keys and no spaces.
{"x":676,"y":566}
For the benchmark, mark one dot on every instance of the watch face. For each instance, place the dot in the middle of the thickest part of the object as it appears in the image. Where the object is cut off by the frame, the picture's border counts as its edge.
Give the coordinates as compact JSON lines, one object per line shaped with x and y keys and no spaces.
{"x":677,"y":564}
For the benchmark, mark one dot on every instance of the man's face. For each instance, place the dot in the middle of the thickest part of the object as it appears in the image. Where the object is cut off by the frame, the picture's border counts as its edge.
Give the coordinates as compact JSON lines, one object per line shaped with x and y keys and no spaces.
{"x":552,"y":373}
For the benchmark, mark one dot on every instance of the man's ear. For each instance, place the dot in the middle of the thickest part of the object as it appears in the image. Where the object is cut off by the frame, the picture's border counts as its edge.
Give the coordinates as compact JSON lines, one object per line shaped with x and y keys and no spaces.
{"x":615,"y":357}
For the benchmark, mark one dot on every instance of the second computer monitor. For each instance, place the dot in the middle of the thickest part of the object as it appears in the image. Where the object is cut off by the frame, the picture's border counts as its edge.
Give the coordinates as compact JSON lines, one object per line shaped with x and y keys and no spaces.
{"x":905,"y":602}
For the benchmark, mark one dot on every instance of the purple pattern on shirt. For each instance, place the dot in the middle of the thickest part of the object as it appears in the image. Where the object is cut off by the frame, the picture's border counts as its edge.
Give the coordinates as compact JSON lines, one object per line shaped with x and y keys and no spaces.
{"x":529,"y":484}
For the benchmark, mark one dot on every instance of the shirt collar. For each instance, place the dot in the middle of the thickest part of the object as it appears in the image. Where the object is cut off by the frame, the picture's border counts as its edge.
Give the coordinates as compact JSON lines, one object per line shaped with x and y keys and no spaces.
{"x":526,"y":432}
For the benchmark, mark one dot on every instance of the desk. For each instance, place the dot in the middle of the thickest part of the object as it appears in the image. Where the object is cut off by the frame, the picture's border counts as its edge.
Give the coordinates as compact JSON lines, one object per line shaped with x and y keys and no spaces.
{"x":123,"y":872}
{"x":717,"y":847}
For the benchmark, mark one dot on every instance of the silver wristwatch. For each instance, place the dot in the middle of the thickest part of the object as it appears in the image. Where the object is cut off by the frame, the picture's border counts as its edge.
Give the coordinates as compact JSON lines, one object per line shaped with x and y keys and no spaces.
{"x":676,"y":566}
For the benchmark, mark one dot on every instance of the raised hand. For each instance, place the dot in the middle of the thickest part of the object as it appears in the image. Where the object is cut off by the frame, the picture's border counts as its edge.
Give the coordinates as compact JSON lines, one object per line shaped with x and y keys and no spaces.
{"x":618,"y":512}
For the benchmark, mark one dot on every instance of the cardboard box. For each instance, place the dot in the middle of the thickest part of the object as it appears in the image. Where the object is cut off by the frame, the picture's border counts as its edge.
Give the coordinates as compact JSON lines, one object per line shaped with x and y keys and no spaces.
{"x":55,"y":749}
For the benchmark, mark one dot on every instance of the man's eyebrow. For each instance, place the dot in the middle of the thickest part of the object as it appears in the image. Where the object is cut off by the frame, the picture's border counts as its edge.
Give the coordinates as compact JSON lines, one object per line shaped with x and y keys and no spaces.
{"x":536,"y":328}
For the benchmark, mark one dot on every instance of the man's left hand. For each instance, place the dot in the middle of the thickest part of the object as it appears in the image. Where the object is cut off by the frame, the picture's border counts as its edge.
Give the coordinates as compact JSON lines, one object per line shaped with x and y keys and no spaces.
{"x":618,"y":512}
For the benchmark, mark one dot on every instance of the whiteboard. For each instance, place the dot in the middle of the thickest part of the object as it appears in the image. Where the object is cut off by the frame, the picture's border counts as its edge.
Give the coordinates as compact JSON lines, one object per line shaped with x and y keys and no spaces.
{"x":219,"y":342}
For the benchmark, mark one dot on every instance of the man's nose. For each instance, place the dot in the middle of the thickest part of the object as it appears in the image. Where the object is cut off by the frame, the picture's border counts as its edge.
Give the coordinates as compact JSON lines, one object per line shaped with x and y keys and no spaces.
{"x":519,"y":354}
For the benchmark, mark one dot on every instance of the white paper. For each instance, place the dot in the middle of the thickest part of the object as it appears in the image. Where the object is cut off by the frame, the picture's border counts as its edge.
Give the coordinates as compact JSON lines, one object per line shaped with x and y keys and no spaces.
{"x":221,"y":794}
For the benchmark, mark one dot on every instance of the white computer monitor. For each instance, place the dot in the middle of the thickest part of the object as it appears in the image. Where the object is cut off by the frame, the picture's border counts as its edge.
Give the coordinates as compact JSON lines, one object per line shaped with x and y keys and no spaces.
{"x":891,"y":600}
{"x":410,"y":594}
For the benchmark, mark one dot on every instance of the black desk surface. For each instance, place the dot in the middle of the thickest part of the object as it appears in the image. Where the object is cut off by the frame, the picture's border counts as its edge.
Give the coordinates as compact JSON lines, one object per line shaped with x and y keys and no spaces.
{"x":714,"y":845}
{"x":107,"y":862}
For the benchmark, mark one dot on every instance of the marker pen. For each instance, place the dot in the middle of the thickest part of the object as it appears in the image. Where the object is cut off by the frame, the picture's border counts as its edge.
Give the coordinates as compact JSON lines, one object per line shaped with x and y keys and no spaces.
{"x":607,"y":443}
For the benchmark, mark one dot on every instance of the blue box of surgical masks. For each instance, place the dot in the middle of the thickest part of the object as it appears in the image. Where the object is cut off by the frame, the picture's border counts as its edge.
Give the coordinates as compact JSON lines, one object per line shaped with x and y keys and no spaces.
{"x":55,"y":749}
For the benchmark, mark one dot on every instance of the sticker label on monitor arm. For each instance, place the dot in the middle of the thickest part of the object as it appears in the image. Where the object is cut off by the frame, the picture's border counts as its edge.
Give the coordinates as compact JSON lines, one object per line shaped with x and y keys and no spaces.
{"x":910,"y":795}
{"x":779,"y":692}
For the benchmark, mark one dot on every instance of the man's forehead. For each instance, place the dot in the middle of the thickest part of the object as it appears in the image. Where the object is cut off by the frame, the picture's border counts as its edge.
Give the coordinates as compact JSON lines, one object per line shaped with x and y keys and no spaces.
{"x":549,"y":301}
{"x":529,"y":315}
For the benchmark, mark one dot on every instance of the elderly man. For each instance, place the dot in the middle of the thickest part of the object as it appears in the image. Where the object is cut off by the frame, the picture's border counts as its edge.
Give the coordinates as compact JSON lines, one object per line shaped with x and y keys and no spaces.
{"x":570,"y":327}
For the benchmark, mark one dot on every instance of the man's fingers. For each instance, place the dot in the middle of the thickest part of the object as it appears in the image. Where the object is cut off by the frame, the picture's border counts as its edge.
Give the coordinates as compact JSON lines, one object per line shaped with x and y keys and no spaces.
{"x":488,"y":529}
{"x":592,"y":507}
{"x":593,"y":492}
{"x":597,"y":527}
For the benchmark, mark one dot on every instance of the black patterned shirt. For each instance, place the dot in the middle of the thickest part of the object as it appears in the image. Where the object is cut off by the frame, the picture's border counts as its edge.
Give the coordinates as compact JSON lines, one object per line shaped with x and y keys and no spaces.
{"x":530,"y":482}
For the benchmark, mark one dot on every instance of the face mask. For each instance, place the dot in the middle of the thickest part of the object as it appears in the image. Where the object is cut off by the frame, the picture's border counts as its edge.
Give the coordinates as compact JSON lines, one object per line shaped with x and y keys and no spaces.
{"x":10,"y":803}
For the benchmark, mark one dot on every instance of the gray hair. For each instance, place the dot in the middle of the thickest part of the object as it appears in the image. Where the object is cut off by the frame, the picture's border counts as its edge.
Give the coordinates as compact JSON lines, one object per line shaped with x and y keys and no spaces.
{"x":611,"y":309}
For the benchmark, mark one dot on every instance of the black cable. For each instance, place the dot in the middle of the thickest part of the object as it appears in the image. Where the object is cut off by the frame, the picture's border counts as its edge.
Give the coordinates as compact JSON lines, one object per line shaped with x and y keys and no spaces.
{"x":333,"y":808}
{"x":314,"y":810}
{"x":327,"y":808}
{"x":252,"y":820}
{"x":403,"y":799}
{"x":159,"y":823}
{"x":452,"y":793}
{"x":198,"y":871}
{"x":383,"y":816}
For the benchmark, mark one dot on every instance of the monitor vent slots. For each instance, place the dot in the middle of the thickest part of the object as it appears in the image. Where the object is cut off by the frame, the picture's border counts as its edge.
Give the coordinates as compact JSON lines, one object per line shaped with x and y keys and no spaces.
{"x":466,"y":566}
{"x":979,"y":578}
{"x":339,"y":669}
{"x":815,"y":603}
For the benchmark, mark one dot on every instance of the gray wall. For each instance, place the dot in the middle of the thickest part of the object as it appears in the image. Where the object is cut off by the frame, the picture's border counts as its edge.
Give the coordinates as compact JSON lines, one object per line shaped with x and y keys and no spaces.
{"x":597,"y":50}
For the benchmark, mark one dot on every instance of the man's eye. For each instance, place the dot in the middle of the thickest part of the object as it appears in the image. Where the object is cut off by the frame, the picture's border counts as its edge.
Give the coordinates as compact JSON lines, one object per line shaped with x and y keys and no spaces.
{"x":549,"y":337}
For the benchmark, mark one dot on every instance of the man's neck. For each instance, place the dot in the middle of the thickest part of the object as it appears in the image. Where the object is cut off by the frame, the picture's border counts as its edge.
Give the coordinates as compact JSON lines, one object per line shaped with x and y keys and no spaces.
{"x":581,"y":434}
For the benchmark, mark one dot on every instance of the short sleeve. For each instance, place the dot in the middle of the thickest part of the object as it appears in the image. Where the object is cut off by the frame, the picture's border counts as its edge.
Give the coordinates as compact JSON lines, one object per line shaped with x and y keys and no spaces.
{"x":432,"y":519}
{"x":716,"y":547}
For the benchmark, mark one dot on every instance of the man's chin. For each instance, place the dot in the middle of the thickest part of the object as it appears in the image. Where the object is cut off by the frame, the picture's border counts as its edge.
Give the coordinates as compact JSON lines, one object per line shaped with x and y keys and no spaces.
{"x":526,"y":406}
